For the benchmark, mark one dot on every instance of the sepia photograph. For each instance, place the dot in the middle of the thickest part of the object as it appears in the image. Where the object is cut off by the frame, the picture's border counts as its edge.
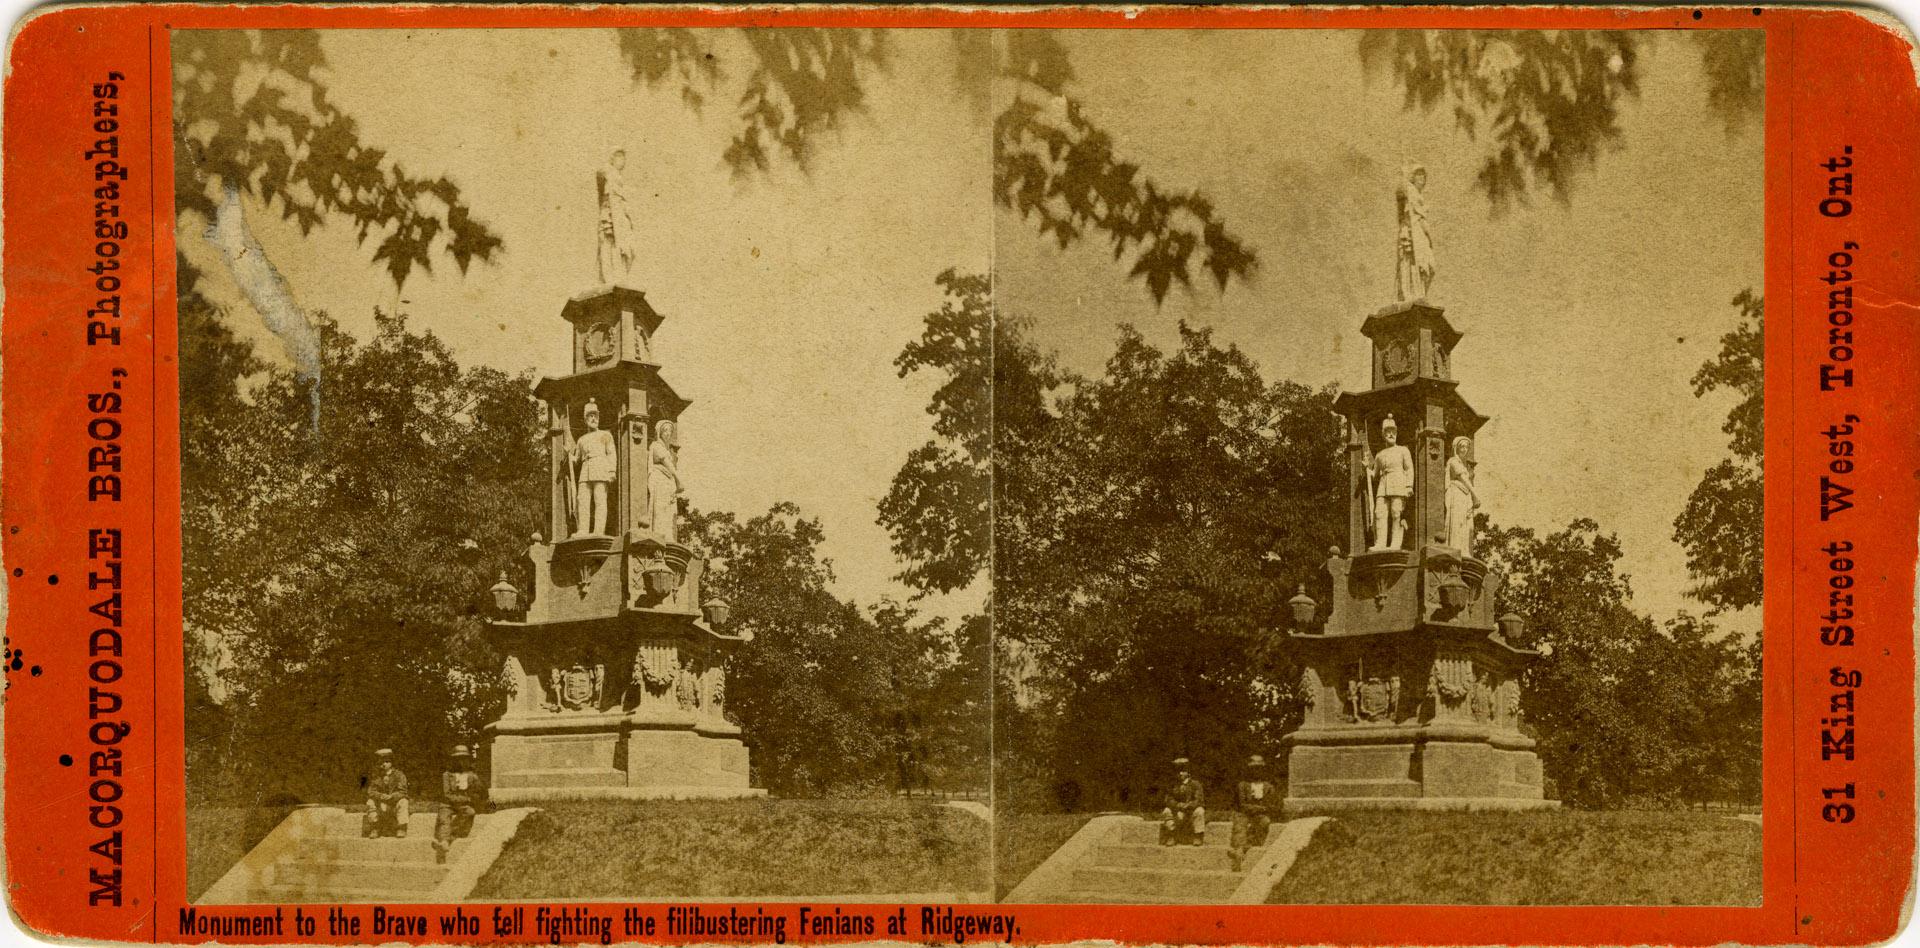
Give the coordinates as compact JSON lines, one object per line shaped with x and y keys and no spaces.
{"x":1377,"y":450}
{"x":1043,"y":466}
{"x":548,"y":407}
{"x":941,"y":475}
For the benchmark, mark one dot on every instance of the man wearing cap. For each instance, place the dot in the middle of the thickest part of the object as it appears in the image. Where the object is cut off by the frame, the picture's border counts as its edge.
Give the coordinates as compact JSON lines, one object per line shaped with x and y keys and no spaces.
{"x":460,"y":787}
{"x":1253,"y":803}
{"x":1184,"y":820}
{"x":386,"y":799}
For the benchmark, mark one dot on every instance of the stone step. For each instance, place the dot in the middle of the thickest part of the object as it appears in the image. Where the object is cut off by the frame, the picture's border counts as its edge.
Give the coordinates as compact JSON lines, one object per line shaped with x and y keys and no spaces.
{"x":1148,"y":833}
{"x":346,"y":823}
{"x":346,"y":895}
{"x":562,"y":777}
{"x":349,"y":874}
{"x":416,"y":847}
{"x":1154,"y":856}
{"x":1089,"y":897}
{"x":1177,"y":885}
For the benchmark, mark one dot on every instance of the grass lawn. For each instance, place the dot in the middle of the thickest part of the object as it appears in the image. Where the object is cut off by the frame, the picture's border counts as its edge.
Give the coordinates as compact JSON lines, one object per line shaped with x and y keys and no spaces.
{"x":1023,"y":841}
{"x":218,"y":836}
{"x":1557,"y":857}
{"x":740,"y":848}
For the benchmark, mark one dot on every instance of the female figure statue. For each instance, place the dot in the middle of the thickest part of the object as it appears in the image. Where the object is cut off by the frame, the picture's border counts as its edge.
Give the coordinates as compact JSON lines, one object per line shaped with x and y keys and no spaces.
{"x":1413,"y":273}
{"x":1393,"y":484}
{"x":663,"y":483}
{"x":619,"y":232}
{"x":1461,"y":499}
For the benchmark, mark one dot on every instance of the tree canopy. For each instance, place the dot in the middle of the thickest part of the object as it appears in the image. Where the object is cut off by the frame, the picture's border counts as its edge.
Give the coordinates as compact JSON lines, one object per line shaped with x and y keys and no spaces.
{"x":1722,"y":526}
{"x":1147,"y":526}
{"x":335,"y":569}
{"x":252,"y":116}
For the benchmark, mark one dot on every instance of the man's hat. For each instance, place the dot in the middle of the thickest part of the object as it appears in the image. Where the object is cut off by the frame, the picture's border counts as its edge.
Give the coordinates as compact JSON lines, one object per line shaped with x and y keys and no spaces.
{"x":383,"y":753}
{"x":1180,"y":762}
{"x":1256,"y":761}
{"x":460,"y":750}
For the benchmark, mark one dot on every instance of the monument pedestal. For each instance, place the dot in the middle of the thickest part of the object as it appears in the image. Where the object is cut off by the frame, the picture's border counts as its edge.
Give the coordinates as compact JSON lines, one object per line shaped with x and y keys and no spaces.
{"x":600,"y":757}
{"x":1413,"y":687}
{"x":616,"y":673}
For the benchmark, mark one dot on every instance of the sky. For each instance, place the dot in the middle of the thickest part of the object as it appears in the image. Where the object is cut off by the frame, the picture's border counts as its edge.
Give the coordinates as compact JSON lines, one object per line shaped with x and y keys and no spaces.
{"x":788,"y":295}
{"x":1583,"y":324}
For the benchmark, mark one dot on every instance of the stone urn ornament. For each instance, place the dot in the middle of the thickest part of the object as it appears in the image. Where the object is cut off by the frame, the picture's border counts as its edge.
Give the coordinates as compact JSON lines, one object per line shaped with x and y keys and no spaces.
{"x":1511,"y":627}
{"x":662,"y":581}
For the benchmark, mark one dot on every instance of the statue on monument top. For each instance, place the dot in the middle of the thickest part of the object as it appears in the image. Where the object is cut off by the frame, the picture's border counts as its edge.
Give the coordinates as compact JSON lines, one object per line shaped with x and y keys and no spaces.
{"x":619,"y":232}
{"x":1413,"y":268}
{"x":594,"y":460}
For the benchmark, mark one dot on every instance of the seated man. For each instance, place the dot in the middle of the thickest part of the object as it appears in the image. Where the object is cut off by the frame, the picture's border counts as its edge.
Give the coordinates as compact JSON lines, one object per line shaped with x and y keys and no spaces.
{"x":1254,"y":800}
{"x":386,"y":799}
{"x":460,"y":787}
{"x":1184,"y":820}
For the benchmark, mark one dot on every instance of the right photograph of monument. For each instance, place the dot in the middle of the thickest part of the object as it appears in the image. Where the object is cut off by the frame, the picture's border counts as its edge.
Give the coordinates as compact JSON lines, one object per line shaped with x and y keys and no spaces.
{"x":1377,"y":467}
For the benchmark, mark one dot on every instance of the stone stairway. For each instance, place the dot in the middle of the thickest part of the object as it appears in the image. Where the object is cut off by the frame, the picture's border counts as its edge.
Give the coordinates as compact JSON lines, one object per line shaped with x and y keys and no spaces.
{"x":318,"y":855}
{"x":1119,"y":859}
{"x":1129,"y":865}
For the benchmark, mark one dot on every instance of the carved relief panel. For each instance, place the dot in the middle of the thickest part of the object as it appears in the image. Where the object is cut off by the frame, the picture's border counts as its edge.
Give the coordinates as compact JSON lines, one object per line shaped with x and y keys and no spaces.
{"x":1313,"y":702}
{"x":1371,"y":693}
{"x":574,"y":686}
{"x":656,"y":666}
{"x":1451,"y":685}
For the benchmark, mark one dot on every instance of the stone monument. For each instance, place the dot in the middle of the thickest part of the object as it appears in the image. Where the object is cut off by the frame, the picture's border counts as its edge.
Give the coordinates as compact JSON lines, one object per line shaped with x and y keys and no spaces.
{"x":616,"y":668}
{"x":1412,"y":686}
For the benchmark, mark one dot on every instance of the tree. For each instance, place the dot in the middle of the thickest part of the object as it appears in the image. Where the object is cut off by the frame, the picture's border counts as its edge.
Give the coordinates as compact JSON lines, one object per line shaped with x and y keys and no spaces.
{"x":252,"y":117}
{"x":339,"y":566}
{"x":1052,"y":163}
{"x":1548,"y":102}
{"x":1626,"y":711}
{"x":1722,"y":527}
{"x":939,"y":674}
{"x":831,"y":701}
{"x":1147,"y":525}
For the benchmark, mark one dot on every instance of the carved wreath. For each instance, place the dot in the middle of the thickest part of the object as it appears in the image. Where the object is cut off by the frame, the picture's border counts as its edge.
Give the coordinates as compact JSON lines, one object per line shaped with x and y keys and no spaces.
{"x":600,"y":343}
{"x":1397,"y":361}
{"x":655,"y":666}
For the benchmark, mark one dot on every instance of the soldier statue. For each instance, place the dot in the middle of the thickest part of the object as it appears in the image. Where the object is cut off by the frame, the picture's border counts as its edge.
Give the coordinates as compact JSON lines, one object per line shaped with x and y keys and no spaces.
{"x":1392,"y":472}
{"x":595,"y":459}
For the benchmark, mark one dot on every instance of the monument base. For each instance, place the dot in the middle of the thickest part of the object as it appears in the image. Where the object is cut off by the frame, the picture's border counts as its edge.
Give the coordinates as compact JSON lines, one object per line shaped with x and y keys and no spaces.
{"x":615,"y":757}
{"x":1420,"y":767}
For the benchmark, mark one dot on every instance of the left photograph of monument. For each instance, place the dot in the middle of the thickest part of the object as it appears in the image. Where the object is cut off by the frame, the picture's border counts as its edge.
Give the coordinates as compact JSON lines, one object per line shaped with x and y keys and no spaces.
{"x":561,"y":442}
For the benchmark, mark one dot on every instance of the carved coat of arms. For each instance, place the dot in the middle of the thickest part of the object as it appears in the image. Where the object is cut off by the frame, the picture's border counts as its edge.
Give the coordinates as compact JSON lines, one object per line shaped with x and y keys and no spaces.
{"x":1376,"y":699}
{"x":577,"y":687}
